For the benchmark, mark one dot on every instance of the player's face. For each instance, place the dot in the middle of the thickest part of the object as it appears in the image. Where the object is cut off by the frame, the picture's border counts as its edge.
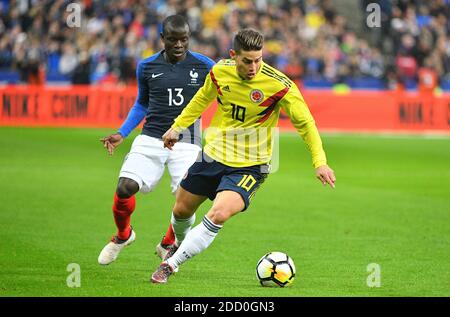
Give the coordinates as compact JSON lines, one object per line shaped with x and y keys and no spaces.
{"x":176,"y":43}
{"x":247,"y":62}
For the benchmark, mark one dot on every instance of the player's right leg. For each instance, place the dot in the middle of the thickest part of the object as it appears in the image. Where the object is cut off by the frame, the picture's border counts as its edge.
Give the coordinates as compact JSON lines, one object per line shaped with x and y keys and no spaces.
{"x":232,"y":195}
{"x":227,"y":204}
{"x":183,"y":212}
{"x":182,"y":219}
{"x":123,"y":207}
{"x":180,"y":159}
{"x":200,"y":183}
{"x":166,"y":244}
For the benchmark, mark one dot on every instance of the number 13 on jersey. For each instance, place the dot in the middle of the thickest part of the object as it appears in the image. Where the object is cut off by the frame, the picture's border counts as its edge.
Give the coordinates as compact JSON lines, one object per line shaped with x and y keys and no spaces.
{"x":175,"y":96}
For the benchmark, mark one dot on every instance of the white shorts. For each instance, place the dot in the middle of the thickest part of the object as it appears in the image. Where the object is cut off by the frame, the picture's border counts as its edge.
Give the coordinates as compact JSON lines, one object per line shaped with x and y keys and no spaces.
{"x":145,"y":163}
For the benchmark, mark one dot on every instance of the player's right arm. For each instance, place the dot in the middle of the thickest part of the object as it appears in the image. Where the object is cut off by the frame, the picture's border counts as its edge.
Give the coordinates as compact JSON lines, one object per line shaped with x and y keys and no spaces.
{"x":135,"y":116}
{"x":201,"y":100}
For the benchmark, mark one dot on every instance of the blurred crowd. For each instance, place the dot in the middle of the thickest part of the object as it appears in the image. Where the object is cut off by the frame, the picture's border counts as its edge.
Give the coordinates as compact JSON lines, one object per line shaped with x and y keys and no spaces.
{"x":304,"y":38}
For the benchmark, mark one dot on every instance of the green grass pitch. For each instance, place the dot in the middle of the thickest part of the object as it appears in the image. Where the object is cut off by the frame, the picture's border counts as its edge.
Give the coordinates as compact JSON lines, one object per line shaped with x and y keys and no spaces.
{"x":391,"y":206}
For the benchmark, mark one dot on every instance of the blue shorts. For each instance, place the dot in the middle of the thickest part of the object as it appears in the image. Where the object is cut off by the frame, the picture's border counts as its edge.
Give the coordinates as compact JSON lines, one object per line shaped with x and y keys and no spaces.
{"x":208,"y":177}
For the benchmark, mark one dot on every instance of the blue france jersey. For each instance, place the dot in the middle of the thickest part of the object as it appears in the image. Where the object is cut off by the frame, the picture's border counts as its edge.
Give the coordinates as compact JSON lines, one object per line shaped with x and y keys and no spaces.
{"x":165,"y":89}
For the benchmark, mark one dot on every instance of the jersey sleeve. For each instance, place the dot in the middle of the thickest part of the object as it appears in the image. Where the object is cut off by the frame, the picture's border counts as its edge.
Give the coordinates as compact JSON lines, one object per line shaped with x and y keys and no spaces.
{"x":135,"y":116}
{"x":204,"y":59}
{"x":295,"y":107}
{"x":139,"y":110}
{"x":201,"y":100}
{"x":143,"y":89}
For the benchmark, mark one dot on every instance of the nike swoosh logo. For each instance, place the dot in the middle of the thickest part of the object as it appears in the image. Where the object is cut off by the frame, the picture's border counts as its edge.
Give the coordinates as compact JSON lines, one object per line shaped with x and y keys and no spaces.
{"x":157,"y":75}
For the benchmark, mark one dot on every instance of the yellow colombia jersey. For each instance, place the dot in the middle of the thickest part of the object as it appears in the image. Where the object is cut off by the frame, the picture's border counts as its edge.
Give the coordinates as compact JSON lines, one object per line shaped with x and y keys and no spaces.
{"x":248,"y":110}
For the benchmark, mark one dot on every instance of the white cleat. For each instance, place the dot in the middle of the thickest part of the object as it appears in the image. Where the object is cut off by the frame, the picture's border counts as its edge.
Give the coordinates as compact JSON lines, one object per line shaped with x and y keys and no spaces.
{"x":165,"y":251}
{"x":161,"y":250}
{"x":111,"y":251}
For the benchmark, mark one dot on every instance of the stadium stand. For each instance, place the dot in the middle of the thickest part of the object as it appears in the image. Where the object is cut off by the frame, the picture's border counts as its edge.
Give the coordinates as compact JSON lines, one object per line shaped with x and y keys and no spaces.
{"x":307,"y":39}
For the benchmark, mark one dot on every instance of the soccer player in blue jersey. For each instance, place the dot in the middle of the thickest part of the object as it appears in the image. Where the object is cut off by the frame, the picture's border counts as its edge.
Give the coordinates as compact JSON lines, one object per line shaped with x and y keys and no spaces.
{"x":167,"y":81}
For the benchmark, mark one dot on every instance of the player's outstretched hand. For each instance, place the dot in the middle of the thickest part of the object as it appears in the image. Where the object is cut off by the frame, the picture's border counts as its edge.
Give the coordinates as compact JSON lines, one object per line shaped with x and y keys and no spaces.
{"x":170,"y":138}
{"x":112,"y":141}
{"x":326,"y":175}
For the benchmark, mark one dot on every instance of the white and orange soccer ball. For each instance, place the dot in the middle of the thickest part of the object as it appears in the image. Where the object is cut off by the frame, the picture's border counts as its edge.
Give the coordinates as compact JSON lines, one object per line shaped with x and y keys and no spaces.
{"x":275,"y":269}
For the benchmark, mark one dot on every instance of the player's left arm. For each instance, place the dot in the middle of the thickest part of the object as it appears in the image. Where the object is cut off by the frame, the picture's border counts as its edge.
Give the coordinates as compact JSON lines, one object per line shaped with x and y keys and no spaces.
{"x":295,"y":107}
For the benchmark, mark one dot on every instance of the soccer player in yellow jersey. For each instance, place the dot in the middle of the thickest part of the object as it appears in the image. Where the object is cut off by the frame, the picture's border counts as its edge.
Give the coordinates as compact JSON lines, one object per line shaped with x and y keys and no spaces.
{"x":238,"y":148}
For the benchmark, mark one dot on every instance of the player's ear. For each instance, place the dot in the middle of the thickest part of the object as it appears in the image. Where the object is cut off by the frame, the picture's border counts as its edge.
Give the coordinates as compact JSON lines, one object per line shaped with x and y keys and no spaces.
{"x":232,"y":53}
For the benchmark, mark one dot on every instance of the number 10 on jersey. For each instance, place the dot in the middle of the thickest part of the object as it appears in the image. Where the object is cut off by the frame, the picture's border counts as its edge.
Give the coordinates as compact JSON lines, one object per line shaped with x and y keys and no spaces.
{"x":175,"y":96}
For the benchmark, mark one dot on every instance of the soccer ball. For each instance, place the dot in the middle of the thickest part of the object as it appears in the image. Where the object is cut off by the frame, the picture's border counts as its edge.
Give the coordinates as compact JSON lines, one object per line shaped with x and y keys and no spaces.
{"x":275,"y":269}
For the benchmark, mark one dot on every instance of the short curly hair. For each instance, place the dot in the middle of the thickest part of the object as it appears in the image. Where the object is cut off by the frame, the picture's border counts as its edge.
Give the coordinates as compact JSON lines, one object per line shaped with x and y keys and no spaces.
{"x":175,"y":21}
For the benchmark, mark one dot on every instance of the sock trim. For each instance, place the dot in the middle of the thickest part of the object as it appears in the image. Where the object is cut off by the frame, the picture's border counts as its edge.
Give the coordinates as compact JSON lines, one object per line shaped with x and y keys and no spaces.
{"x":182,"y":219}
{"x":210,"y":225}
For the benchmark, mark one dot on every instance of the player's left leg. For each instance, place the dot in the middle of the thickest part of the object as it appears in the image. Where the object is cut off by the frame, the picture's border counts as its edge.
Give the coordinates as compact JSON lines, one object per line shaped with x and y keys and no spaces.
{"x":236,"y":189}
{"x":234,"y":193}
{"x":226,"y":204}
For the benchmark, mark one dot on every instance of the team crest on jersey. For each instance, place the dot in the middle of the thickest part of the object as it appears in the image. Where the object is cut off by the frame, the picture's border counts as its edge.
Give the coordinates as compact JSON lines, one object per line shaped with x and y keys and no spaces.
{"x":194,"y":76}
{"x":256,"y":95}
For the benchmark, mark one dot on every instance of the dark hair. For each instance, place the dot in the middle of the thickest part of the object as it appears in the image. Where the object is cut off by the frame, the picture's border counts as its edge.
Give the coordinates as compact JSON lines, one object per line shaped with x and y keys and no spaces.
{"x":175,"y":21}
{"x":248,"y":40}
